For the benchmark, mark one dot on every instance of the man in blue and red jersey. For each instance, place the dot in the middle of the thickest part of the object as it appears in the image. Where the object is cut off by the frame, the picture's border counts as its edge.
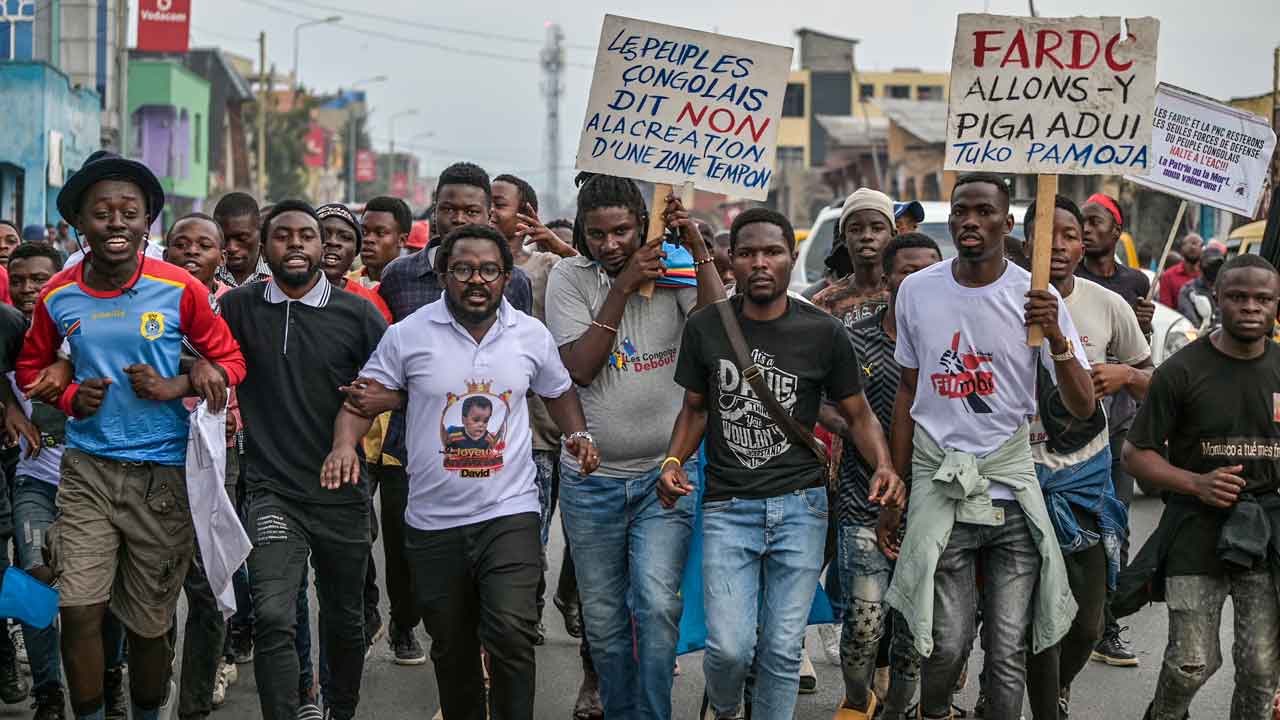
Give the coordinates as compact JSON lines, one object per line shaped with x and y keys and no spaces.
{"x":124,"y":535}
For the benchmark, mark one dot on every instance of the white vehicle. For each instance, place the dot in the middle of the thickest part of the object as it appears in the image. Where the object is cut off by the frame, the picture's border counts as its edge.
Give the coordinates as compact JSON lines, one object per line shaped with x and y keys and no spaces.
{"x":1170,"y":330}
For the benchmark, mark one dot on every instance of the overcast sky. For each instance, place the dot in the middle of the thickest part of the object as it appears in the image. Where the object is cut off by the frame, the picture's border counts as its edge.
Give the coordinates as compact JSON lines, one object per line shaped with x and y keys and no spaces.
{"x":492,"y":110}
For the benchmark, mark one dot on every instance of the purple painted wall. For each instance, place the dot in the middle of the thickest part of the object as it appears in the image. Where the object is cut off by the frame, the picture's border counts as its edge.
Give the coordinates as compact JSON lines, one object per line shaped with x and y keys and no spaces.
{"x":164,"y":138}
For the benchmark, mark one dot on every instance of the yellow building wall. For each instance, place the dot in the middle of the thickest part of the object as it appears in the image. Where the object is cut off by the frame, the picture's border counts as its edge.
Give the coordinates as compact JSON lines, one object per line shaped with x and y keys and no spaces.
{"x":881,"y":80}
{"x":794,"y":131}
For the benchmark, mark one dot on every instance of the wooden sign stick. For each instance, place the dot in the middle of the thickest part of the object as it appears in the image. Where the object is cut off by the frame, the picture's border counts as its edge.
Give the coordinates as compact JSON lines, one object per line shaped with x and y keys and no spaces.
{"x":1042,"y":245}
{"x":1168,"y":245}
{"x":657,"y":228}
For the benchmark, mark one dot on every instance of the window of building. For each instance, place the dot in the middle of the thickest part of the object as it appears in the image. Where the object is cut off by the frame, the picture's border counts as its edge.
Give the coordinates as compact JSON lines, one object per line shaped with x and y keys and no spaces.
{"x":790,"y":155}
{"x":898,"y":92}
{"x":199,"y":128}
{"x":793,"y":101}
{"x":866,"y":91}
{"x":929,"y":92}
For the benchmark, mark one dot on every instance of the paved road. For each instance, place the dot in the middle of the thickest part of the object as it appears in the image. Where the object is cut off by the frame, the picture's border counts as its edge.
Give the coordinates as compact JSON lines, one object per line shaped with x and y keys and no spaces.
{"x":392,"y":692}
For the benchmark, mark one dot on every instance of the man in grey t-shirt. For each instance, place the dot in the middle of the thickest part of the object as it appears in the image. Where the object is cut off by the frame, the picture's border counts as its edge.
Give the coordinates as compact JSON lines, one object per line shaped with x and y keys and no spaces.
{"x":620,"y":349}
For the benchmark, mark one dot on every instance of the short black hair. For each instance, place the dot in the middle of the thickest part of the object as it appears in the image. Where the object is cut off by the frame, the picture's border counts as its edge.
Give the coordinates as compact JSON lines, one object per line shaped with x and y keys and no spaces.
{"x":603,"y":191}
{"x":194,"y":216}
{"x":1060,"y":202}
{"x":565,"y":223}
{"x":13,"y":225}
{"x":1244,"y":261}
{"x":982,"y":177}
{"x":474,"y":230}
{"x":479,"y":401}
{"x":283,"y":207}
{"x":394,"y":205}
{"x":465,"y":173}
{"x":527,"y":194}
{"x":907,"y":241}
{"x":37,"y":249}
{"x":765,"y":215}
{"x":236,"y":204}
{"x":721,"y":238}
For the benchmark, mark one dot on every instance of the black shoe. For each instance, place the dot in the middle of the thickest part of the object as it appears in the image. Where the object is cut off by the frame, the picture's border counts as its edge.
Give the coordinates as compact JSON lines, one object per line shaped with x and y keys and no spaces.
{"x":14,"y":688}
{"x":405,"y":647}
{"x":1112,"y":650}
{"x":242,"y":648}
{"x":49,"y":705}
{"x":572,"y":612}
{"x":115,"y":696}
{"x":980,"y":707}
{"x":373,"y":628}
{"x":541,"y":637}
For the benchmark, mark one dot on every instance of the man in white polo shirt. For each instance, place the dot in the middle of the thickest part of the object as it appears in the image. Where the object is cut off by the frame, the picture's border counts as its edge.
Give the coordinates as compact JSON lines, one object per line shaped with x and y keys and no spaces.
{"x":464,"y":365}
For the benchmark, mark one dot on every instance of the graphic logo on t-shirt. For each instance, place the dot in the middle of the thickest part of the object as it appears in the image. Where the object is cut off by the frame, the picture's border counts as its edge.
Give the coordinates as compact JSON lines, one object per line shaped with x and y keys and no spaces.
{"x":963,"y":376}
{"x":473,"y":430}
{"x":745,"y":423}
{"x":1275,"y":407}
{"x":152,"y":325}
{"x":627,"y":357}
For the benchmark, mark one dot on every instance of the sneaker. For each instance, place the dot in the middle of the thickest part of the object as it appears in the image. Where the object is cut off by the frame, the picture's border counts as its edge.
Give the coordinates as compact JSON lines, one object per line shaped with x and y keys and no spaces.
{"x":541,"y":637}
{"x":830,"y":635}
{"x":373,"y":630}
{"x":808,"y":676}
{"x":242,"y":648}
{"x":1112,"y":650}
{"x":49,"y":705}
{"x":222,"y":682}
{"x":14,"y":688}
{"x":405,"y":647}
{"x":19,"y":644}
{"x":115,"y":696}
{"x":310,"y":712}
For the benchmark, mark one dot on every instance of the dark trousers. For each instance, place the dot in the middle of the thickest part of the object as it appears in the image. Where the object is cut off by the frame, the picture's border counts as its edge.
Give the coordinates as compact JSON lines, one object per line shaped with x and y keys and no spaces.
{"x":476,"y":585}
{"x":1054,"y":669}
{"x":1124,"y":492}
{"x":394,"y":495}
{"x":284,"y":533}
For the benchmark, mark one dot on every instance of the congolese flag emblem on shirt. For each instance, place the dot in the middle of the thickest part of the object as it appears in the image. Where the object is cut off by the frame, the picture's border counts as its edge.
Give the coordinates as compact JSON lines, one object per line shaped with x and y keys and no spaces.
{"x":152,"y":325}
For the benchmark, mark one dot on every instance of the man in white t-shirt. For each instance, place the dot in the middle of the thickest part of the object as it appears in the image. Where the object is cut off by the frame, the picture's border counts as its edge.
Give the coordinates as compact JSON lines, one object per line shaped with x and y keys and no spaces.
{"x":1075,"y":477}
{"x":960,"y":432}
{"x":464,"y":365}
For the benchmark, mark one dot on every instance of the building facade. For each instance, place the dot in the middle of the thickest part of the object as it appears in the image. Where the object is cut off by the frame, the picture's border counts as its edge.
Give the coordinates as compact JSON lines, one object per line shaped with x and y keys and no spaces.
{"x":169,"y":121}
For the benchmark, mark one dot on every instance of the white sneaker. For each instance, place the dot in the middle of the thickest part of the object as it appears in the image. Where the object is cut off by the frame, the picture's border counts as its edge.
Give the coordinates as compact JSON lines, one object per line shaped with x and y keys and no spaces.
{"x":222,"y":682}
{"x":19,"y":643}
{"x":830,"y":635}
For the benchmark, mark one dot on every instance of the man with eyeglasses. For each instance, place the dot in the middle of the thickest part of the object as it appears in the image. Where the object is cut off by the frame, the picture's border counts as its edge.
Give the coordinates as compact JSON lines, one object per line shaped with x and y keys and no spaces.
{"x":464,"y":366}
{"x":463,"y":196}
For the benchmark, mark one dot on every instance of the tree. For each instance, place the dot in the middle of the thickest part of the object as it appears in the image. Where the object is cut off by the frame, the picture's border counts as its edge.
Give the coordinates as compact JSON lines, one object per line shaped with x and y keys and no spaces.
{"x":286,"y":133}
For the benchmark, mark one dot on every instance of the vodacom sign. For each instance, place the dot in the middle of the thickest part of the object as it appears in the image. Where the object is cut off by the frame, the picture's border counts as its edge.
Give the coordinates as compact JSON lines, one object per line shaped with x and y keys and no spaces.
{"x":163,"y":25}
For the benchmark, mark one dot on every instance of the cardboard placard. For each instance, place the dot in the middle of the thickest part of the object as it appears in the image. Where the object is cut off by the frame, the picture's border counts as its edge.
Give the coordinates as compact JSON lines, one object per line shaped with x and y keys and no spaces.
{"x":1069,"y":96}
{"x":673,"y":105}
{"x":1207,"y":152}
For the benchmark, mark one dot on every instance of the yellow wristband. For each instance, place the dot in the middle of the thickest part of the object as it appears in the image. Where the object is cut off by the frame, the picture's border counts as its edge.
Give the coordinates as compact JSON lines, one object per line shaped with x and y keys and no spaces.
{"x":670,"y":459}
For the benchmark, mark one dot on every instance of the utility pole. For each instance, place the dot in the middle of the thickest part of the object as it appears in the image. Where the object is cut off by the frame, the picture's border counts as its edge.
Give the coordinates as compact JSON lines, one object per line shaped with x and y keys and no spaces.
{"x":553,"y":67}
{"x":1275,"y":115}
{"x":264,"y":91}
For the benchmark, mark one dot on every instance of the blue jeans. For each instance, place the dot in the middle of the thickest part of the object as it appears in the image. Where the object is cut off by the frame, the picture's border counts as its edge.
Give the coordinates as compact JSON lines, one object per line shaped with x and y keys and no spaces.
{"x":629,"y":554}
{"x":760,"y":566}
{"x":33,"y":513}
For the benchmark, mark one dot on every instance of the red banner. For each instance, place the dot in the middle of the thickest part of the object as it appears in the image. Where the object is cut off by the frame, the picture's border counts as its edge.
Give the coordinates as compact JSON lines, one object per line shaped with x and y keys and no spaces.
{"x":399,"y":185}
{"x":366,"y":166}
{"x":313,"y":147}
{"x":164,"y":25}
{"x":420,"y":194}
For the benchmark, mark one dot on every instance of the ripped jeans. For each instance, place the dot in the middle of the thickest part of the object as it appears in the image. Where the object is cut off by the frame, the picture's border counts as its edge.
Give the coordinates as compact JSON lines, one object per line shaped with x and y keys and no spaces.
{"x":1194,"y":654}
{"x":865,"y":573}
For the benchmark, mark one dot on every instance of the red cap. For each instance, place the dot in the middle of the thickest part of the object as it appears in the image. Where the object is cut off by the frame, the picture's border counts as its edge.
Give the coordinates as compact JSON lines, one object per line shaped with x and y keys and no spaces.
{"x":419,"y":235}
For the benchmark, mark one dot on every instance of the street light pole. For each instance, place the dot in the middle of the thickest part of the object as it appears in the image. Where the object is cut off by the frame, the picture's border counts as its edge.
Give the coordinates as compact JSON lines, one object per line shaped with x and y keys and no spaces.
{"x":402,"y":113}
{"x":352,"y":138}
{"x":326,"y":21}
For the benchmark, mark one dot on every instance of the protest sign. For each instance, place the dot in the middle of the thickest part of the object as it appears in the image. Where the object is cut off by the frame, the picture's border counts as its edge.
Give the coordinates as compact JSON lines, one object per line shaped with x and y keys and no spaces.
{"x":1208,"y":152}
{"x":1051,"y":95}
{"x":673,"y":105}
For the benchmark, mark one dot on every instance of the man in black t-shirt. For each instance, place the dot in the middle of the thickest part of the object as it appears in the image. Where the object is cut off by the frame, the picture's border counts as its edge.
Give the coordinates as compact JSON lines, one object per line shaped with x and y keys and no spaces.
{"x":1103,"y":223}
{"x":765,"y":504}
{"x":1216,"y":404}
{"x":304,"y":340}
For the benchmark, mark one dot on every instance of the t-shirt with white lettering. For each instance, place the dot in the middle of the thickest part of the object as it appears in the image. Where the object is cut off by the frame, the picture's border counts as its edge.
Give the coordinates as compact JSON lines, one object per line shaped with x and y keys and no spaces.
{"x":1109,"y":331}
{"x":469,"y":442}
{"x":632,"y":403}
{"x":977,"y":375}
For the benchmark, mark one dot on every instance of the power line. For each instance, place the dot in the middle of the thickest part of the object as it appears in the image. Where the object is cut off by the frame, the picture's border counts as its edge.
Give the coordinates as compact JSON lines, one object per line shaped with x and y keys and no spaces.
{"x":405,"y":22}
{"x":418,"y":42}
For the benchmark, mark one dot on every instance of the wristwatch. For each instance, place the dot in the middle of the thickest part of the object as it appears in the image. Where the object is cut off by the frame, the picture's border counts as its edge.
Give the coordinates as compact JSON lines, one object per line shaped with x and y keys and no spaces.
{"x":582,"y":434}
{"x":1065,"y":355}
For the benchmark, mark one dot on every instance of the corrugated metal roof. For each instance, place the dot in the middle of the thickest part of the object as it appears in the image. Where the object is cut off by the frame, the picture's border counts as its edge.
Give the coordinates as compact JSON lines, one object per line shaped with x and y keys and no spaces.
{"x":926,"y":119}
{"x":855,"y":131}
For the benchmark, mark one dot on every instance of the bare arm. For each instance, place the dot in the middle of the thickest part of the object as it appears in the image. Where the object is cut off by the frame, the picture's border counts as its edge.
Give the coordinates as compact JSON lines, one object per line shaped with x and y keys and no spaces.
{"x":1219,"y":488}
{"x":829,"y":417}
{"x":566,"y":412}
{"x":342,"y":466}
{"x":690,"y":425}
{"x":585,"y":357}
{"x":902,"y":434}
{"x":885,"y":486}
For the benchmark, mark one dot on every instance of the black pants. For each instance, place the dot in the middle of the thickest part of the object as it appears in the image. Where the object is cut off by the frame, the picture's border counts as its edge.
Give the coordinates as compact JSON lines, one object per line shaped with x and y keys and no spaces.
{"x":393,"y":486}
{"x":1058,"y":666}
{"x":1124,"y":491}
{"x":476,"y":585}
{"x":284,"y":532}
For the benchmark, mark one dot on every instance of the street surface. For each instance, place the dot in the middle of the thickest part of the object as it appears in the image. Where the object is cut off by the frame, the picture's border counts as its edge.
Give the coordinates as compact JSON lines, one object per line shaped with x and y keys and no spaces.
{"x":392,"y":692}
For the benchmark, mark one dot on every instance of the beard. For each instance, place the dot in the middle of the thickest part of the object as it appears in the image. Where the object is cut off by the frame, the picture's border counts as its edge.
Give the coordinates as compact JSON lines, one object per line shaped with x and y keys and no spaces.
{"x":468,"y":317}
{"x":293,"y":278}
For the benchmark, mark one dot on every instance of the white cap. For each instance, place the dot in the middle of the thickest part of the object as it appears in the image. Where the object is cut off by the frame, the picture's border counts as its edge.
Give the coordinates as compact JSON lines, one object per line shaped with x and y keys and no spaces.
{"x":867,"y":199}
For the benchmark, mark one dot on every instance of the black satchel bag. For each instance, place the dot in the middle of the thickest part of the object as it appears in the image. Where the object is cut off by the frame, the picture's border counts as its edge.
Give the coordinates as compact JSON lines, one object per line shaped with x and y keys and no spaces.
{"x":1066,"y":433}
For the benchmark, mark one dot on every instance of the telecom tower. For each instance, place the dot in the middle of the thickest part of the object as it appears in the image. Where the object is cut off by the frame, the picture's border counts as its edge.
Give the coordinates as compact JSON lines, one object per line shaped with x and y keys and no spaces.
{"x":552,"y":67}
